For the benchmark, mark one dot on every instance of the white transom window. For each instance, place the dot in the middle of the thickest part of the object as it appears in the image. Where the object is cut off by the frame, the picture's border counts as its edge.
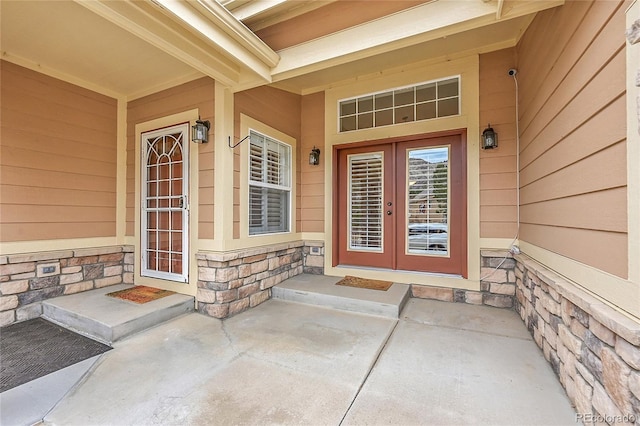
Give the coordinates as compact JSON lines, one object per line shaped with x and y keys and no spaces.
{"x":424,"y":101}
{"x":269,"y":185}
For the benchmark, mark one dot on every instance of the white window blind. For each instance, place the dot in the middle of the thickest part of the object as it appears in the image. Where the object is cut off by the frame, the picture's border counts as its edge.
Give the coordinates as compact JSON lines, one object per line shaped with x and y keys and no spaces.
{"x":269,"y":185}
{"x":365,"y":201}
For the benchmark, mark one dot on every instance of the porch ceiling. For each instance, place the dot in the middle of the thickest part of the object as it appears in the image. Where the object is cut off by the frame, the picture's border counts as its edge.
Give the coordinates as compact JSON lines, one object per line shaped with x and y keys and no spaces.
{"x":133,"y":48}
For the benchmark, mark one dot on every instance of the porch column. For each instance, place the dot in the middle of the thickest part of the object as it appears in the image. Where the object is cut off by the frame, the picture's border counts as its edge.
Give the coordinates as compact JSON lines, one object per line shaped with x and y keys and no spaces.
{"x":223,"y":174}
{"x":633,"y":140}
{"x":121,"y":173}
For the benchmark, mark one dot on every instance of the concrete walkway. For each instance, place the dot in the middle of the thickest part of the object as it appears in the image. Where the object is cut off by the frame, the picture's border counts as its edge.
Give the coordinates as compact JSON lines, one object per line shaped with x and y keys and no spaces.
{"x":288,"y":363}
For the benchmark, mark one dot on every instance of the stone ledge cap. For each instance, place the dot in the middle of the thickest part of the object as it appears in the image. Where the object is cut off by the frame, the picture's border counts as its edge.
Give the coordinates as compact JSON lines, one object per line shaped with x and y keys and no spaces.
{"x":95,"y":251}
{"x":246,"y":252}
{"x":39,"y":256}
{"x":314,"y":243}
{"x":496,"y":253}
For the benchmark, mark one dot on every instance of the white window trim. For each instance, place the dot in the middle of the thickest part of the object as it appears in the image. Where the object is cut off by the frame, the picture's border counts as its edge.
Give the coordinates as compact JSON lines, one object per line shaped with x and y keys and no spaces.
{"x":468,"y":68}
{"x":245,"y":240}
{"x":288,"y":188}
{"x":393,"y":90}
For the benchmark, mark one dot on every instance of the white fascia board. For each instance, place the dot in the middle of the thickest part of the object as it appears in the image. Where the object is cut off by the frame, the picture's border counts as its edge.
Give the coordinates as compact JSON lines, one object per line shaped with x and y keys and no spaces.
{"x":220,"y":28}
{"x":419,"y":24}
{"x":236,"y":29}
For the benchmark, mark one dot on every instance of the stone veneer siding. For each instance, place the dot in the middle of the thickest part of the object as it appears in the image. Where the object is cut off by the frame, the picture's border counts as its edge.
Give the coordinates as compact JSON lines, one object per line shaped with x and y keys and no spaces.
{"x":497,"y":284}
{"x":28,"y":279}
{"x":593,"y":349}
{"x":232,"y":282}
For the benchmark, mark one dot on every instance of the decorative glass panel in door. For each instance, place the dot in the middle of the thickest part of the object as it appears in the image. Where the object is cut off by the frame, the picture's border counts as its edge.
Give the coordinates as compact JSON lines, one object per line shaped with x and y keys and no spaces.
{"x":164,"y":233}
{"x":431,"y":192}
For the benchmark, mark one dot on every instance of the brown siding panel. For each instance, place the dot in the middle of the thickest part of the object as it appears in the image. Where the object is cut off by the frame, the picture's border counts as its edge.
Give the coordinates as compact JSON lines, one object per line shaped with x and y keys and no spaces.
{"x":329,"y":19}
{"x":198,"y":94}
{"x":58,"y":159}
{"x":275,"y":108}
{"x":573,"y":134}
{"x":594,"y":248}
{"x":498,"y":166}
{"x":312,"y":181}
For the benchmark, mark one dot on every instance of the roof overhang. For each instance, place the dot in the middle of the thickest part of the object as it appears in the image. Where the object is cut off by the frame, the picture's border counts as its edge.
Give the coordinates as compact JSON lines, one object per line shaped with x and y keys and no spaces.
{"x":201,"y":33}
{"x":430,"y":21}
{"x":129,"y":48}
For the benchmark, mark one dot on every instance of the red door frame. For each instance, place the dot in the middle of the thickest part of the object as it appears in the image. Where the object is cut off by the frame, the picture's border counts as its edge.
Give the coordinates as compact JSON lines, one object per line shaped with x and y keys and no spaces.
{"x":457,"y":239}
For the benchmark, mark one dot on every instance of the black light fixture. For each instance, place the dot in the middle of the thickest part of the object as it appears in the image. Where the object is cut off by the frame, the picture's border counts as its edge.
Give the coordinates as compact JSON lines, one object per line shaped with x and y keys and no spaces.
{"x":200,"y":131}
{"x":489,"y":138}
{"x":314,"y":156}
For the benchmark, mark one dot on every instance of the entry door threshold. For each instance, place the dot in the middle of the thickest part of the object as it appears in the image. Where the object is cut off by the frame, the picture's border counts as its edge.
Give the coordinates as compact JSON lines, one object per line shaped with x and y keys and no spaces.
{"x":350,"y":270}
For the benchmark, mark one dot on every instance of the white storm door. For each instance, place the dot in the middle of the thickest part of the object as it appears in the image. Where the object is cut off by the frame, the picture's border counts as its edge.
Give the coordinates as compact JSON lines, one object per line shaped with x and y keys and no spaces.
{"x":165,"y":207}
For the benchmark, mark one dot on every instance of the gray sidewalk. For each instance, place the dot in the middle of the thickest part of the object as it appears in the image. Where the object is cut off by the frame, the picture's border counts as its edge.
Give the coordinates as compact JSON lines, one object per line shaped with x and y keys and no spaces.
{"x":288,"y":363}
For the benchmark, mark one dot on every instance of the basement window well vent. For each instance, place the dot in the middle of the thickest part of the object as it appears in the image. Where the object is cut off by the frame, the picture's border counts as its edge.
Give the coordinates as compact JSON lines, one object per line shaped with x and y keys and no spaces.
{"x":424,"y":101}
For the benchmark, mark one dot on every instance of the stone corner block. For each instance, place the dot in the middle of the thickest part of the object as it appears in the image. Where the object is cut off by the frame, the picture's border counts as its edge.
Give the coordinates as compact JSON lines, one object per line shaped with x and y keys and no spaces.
{"x":437,"y":293}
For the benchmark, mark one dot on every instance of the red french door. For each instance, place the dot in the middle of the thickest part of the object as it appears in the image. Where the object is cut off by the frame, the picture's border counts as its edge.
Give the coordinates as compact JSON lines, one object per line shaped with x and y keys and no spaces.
{"x":402,"y":205}
{"x":365,"y":188}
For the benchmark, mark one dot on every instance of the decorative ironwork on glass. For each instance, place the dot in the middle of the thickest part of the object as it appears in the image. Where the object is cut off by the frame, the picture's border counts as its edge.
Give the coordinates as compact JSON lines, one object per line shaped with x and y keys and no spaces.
{"x":164,"y":203}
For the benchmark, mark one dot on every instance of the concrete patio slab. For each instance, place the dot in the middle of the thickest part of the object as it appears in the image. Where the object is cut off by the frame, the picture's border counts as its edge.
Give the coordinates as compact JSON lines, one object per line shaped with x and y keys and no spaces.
{"x":27,"y":404}
{"x":288,"y":363}
{"x":280,"y":362}
{"x":449,"y":364}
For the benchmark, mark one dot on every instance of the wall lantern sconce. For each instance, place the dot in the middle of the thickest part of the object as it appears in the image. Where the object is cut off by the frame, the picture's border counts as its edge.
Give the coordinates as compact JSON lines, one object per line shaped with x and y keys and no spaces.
{"x":314,"y":156}
{"x":200,"y":131}
{"x":489,"y":138}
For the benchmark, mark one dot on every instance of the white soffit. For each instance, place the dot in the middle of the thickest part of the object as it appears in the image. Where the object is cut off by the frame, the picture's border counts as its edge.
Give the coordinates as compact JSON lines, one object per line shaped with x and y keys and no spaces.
{"x":429,"y":21}
{"x":158,"y":27}
{"x":69,"y":42}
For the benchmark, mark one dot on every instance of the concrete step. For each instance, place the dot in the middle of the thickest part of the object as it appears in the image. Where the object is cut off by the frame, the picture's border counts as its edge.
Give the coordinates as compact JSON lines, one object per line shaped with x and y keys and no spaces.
{"x":108,"y":319}
{"x":321,"y":290}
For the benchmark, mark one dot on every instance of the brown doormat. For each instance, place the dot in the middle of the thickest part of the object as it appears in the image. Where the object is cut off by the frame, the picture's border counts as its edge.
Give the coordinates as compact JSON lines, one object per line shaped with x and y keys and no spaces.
{"x":140,"y":294}
{"x":365,"y":283}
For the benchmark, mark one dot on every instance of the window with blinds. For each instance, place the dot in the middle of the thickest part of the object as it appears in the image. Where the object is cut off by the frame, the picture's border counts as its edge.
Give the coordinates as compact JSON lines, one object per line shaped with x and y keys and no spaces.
{"x":269,"y":185}
{"x":365,"y":201}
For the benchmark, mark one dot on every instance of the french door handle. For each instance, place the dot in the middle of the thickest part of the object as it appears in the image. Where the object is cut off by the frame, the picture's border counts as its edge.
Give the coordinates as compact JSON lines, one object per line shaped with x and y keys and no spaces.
{"x":388,"y":212}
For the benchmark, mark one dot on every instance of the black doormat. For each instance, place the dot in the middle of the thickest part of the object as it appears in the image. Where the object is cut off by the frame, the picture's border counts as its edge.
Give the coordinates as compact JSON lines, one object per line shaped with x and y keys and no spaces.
{"x":35,"y":348}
